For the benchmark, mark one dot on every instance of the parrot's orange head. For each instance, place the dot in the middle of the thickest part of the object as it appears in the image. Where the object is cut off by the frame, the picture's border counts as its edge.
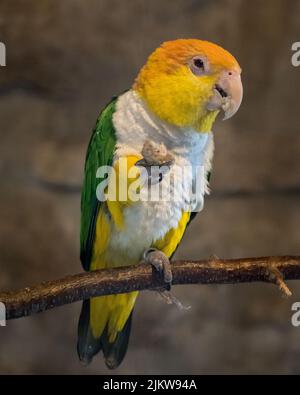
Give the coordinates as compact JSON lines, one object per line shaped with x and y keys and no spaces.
{"x":188,"y":82}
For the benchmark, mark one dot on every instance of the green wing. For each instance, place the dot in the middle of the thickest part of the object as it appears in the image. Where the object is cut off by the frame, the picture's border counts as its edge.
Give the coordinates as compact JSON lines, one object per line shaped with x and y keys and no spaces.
{"x":100,"y":152}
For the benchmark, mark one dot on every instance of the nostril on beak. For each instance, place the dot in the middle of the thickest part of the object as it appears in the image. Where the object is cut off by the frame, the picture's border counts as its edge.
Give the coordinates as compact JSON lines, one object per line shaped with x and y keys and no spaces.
{"x":221,"y":91}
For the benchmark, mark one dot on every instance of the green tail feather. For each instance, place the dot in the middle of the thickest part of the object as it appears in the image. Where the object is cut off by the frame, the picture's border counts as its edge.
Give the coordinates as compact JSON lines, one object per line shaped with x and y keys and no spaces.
{"x":114,"y":353}
{"x":88,"y":346}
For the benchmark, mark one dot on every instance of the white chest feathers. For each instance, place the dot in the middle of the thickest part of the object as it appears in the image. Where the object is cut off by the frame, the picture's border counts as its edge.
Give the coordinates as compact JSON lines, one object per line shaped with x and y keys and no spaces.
{"x":182,"y":188}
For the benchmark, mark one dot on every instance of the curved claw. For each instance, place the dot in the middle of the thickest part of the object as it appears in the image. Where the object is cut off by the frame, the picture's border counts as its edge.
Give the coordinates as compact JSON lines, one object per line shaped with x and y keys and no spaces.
{"x":160,"y":262}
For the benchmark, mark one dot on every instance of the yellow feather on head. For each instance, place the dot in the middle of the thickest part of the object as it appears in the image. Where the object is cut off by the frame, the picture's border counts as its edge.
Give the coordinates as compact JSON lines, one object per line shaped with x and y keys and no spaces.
{"x":173,"y":92}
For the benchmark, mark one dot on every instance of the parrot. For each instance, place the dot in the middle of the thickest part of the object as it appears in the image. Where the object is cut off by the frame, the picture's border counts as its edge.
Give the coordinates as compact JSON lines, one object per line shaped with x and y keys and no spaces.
{"x":164,"y":119}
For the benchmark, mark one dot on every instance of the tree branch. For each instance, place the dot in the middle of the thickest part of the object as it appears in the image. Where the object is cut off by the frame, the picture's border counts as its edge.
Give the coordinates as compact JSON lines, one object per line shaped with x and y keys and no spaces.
{"x":141,"y":277}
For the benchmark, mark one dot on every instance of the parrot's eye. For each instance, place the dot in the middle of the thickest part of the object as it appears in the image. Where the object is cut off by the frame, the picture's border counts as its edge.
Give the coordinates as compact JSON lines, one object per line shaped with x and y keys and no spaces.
{"x":198,"y":65}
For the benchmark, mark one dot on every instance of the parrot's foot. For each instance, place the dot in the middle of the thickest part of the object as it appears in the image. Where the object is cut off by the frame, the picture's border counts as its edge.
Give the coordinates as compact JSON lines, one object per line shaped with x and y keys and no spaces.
{"x":153,"y":173}
{"x":156,"y":160}
{"x":160,"y":262}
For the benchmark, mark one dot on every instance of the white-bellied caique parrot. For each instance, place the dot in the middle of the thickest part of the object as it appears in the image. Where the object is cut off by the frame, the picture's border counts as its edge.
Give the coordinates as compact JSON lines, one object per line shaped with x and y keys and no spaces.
{"x":165,"y":118}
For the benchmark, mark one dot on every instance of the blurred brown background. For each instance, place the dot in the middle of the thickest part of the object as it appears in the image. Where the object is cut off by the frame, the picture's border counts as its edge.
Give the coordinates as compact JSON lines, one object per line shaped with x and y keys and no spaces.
{"x":65,"y":59}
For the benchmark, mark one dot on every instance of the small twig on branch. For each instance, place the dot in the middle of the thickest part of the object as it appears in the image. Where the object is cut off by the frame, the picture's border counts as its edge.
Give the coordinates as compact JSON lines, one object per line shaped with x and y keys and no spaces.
{"x":141,"y":277}
{"x":276,"y":277}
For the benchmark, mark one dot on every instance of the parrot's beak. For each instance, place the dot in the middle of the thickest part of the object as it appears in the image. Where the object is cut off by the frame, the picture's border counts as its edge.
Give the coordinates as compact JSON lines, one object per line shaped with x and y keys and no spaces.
{"x":227,"y":94}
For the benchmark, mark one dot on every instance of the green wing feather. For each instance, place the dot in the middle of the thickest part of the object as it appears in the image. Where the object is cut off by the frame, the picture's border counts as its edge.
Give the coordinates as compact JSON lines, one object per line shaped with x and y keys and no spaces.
{"x":100,"y":153}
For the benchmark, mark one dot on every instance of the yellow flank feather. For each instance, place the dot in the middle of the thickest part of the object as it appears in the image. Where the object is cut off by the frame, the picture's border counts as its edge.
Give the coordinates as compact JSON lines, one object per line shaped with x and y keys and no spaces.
{"x":102,"y":235}
{"x":115,"y":210}
{"x":125,"y":175}
{"x":170,"y":241}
